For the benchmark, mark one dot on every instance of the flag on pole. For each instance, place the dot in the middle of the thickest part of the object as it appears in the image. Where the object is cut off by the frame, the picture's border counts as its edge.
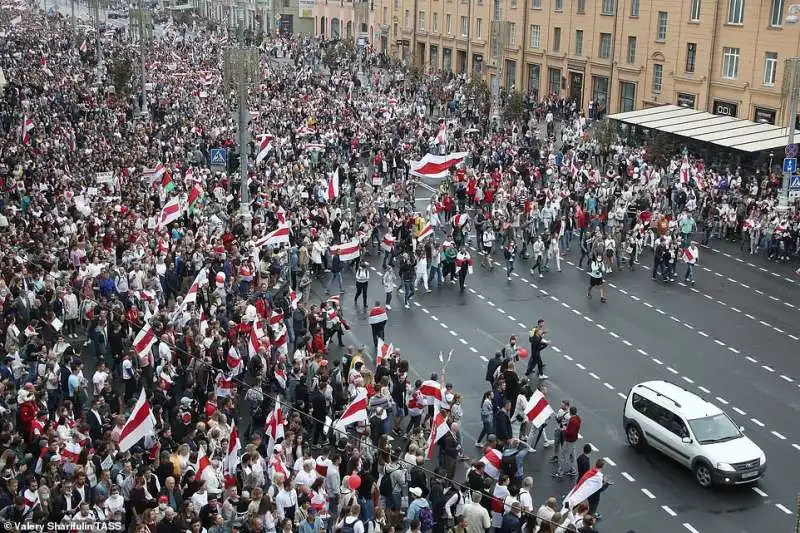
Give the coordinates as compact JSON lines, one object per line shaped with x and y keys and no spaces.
{"x":264,"y":146}
{"x":224,"y":385}
{"x":439,"y":429}
{"x":538,"y":410}
{"x":231,"y":460}
{"x":425,"y":232}
{"x":139,"y":424}
{"x":202,"y":463}
{"x":195,"y":195}
{"x":460,"y":219}
{"x":234,"y":361}
{"x":333,"y":185}
{"x":492,"y":459}
{"x":167,"y":185}
{"x":71,"y":451}
{"x":356,"y":410}
{"x":431,"y":392}
{"x":384,"y":351}
{"x":84,"y":47}
{"x":588,"y":484}
{"x":280,"y":377}
{"x":254,"y":343}
{"x":27,"y":128}
{"x":277,"y":236}
{"x":199,"y":280}
{"x":170,"y":213}
{"x":144,"y":341}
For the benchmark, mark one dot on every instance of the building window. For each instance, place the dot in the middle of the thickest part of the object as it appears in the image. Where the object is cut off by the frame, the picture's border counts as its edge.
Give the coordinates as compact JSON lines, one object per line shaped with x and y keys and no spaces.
{"x":421,"y":21}
{"x":578,"y":42}
{"x":406,"y":20}
{"x":658,"y":77}
{"x":536,"y":4}
{"x":435,"y":23}
{"x":608,"y":7}
{"x":776,"y":13}
{"x":512,"y":33}
{"x":634,"y":8}
{"x":735,"y":11}
{"x":559,"y":5}
{"x":691,"y":57}
{"x":770,"y":68}
{"x":627,"y":96}
{"x":511,"y":74}
{"x":513,"y":4}
{"x":599,"y":91}
{"x":397,"y":4}
{"x":694,"y":11}
{"x":385,"y":11}
{"x":730,"y":63}
{"x":479,"y":28}
{"x":448,"y":24}
{"x":556,"y":39}
{"x":631,"y":50}
{"x":464,"y":27}
{"x":498,"y":10}
{"x":661,"y":31}
{"x":555,"y":81}
{"x":394,"y":29}
{"x":581,"y":7}
{"x":534,"y":71}
{"x":605,"y":45}
{"x":536,"y":36}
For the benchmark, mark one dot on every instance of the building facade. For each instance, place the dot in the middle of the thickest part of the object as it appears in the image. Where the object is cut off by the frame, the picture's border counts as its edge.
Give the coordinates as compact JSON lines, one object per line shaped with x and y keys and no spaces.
{"x":292,"y":16}
{"x":722,"y":56}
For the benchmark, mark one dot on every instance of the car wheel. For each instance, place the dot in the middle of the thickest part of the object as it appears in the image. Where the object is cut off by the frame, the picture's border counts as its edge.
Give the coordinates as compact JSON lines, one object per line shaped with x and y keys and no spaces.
{"x":635,"y":438}
{"x":702,"y":474}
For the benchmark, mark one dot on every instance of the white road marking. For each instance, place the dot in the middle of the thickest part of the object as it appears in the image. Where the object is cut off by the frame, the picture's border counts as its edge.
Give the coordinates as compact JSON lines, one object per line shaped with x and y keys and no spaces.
{"x":622,"y":395}
{"x":613,"y":334}
{"x":721,"y":400}
{"x":580,"y":366}
{"x":511,"y":318}
{"x":568,"y":358}
{"x":595,"y":376}
{"x":501,"y":311}
{"x":674,"y":319}
{"x":473,"y":291}
{"x":520,"y":324}
{"x":657,"y":361}
{"x":760,"y":492}
{"x":719,"y":342}
{"x":556,"y":349}
{"x":426,"y":311}
{"x":779,"y":330}
{"x":444,"y":326}
{"x":751,"y":359}
{"x":491,"y":303}
{"x":626,"y":343}
{"x":660,"y":312}
{"x":608,"y":385}
{"x":768,"y":368}
{"x":601,"y":326}
{"x":484,"y":358}
{"x":481,"y":296}
{"x":739,"y":411}
{"x":793,"y":337}
{"x":703,"y":333}
{"x":765,"y":324}
{"x":463,"y":341}
{"x":687,"y":380}
{"x":736,"y":310}
{"x":778,"y":435}
{"x":635,"y":297}
{"x":434,"y":318}
{"x":627,"y":476}
{"x":473,"y":349}
{"x":796,"y":447}
{"x":687,"y":325}
{"x":576,"y":312}
{"x":648,"y":304}
{"x":594,"y":448}
{"x":689,"y":526}
{"x":783,"y":508}
{"x":734,"y":350}
{"x":565,"y":304}
{"x":757,"y":422}
{"x":672,"y":370}
{"x":669,"y":511}
{"x":704,"y":389}
{"x":609,"y":461}
{"x":649,"y":494}
{"x":587,"y":319}
{"x":623,"y":291}
{"x":641,"y":352}
{"x":787,"y":378}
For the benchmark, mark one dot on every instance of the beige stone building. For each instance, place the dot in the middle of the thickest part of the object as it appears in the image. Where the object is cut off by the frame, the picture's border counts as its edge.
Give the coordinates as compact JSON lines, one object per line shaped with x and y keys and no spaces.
{"x":723,"y":56}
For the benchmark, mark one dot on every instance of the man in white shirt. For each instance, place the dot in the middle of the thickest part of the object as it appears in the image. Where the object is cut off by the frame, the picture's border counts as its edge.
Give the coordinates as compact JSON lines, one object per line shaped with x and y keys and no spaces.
{"x":99,"y":378}
{"x":476,"y":516}
{"x":525,"y":496}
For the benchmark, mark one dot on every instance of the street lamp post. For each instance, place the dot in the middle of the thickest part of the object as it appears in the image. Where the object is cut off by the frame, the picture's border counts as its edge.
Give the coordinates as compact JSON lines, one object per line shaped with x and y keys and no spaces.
{"x":791,"y":83}
{"x":142,"y":21}
{"x":242,"y":64}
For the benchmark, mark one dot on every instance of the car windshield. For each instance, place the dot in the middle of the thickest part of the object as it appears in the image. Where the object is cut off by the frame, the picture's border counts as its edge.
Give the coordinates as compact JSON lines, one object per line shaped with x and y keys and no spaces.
{"x":717,"y":428}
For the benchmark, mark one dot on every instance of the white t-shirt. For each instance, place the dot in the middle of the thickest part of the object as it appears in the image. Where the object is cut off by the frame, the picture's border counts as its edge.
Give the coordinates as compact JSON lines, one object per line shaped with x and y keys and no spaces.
{"x":99,"y":380}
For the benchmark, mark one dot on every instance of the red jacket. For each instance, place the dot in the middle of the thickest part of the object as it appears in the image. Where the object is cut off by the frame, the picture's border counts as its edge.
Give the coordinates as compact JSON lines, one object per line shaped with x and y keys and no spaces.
{"x":572,"y":429}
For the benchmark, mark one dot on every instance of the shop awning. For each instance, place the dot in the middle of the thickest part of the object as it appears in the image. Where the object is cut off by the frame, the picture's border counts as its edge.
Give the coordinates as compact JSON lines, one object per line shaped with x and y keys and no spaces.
{"x":729,"y":132}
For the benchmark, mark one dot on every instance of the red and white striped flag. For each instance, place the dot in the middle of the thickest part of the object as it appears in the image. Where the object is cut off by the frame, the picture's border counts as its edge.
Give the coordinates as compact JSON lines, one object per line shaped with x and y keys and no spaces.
{"x":347,"y":251}
{"x":231,"y":460}
{"x":492,"y":459}
{"x":425,"y":232}
{"x":387,"y":243}
{"x":333,"y":185}
{"x":274,"y":427}
{"x":224,"y":385}
{"x":84,"y":47}
{"x":144,"y":340}
{"x":140,"y":424}
{"x":356,"y":411}
{"x":234,"y":361}
{"x":304,"y":130}
{"x":71,"y":451}
{"x":439,"y":429}
{"x":199,"y":280}
{"x":431,"y":392}
{"x":314,"y":147}
{"x":254,"y":343}
{"x":275,"y":237}
{"x":588,"y":484}
{"x":460,"y":219}
{"x":280,"y":377}
{"x":441,"y":136}
{"x":294,"y":298}
{"x":31,"y":498}
{"x":170,"y":213}
{"x":264,"y":146}
{"x":202,"y":463}
{"x":27,"y":128}
{"x":688,"y":254}
{"x":436,"y":166}
{"x":275,"y":318}
{"x":384,"y":351}
{"x":538,"y":410}
{"x":377,"y":315}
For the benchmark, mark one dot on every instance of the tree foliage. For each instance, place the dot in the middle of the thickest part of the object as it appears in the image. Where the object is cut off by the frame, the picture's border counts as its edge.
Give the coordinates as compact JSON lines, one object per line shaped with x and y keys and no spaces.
{"x":661,"y":147}
{"x":477,"y":91}
{"x":121,"y":71}
{"x":605,"y":133}
{"x":514,"y":108}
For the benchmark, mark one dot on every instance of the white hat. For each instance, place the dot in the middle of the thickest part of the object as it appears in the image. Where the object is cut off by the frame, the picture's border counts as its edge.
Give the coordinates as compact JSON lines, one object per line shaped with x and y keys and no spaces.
{"x":415,"y":491}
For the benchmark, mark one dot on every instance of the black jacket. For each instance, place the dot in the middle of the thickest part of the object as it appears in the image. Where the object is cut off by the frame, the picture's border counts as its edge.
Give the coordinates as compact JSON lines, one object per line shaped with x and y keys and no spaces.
{"x":502,"y":425}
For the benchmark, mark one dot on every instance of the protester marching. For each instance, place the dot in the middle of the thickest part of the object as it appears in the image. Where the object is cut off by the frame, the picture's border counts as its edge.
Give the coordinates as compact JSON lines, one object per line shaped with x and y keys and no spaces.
{"x":169,"y":365}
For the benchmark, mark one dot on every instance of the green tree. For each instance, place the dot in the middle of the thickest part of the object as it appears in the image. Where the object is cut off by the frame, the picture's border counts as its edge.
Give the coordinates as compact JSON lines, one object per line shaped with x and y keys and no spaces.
{"x":514,"y":108}
{"x":121,"y":71}
{"x":478,"y":92}
{"x":661,"y":148}
{"x":605,"y":133}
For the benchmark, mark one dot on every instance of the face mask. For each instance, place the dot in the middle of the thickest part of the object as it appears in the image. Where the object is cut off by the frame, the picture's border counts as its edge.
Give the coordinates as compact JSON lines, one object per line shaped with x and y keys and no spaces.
{"x":162,"y":506}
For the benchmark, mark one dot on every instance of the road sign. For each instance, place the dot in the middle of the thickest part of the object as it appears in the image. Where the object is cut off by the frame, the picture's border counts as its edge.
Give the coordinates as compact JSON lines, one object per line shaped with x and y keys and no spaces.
{"x":791,"y":150}
{"x":794,"y":184}
{"x":219,"y":157}
{"x":790,"y":165}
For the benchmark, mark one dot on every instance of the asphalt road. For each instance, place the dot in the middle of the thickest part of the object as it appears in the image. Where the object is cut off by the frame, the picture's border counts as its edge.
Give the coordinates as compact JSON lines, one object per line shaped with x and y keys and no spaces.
{"x":732,"y":339}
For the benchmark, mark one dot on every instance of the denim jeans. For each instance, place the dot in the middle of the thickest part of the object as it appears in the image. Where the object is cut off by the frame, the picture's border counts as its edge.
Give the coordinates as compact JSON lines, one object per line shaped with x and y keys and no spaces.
{"x":435,"y":272}
{"x":335,"y":276}
{"x":408,"y":290}
{"x":690,"y":272}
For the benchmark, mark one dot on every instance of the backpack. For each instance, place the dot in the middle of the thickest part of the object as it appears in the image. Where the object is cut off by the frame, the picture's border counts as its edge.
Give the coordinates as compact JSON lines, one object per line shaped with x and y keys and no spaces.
{"x":385,"y":487}
{"x":348,"y":527}
{"x":425,"y":519}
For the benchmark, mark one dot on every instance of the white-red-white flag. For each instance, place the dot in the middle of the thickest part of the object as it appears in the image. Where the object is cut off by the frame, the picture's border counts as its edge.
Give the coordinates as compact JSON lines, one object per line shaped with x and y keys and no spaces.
{"x":377,"y":315}
{"x":264,"y":147}
{"x":280,"y":377}
{"x":436,"y":166}
{"x":493,"y":459}
{"x":333,"y":185}
{"x":202,"y":463}
{"x":431,"y":392}
{"x":280,"y":235}
{"x":140,"y":424}
{"x":224,"y":385}
{"x":274,"y":427}
{"x":387,"y":243}
{"x":538,"y":410}
{"x":441,"y":135}
{"x":144,"y":341}
{"x":347,"y":251}
{"x":356,"y":410}
{"x":439,"y":429}
{"x":231,"y":460}
{"x":588,"y":484}
{"x":170,"y":213}
{"x":425,"y":232}
{"x":71,"y":451}
{"x":384,"y":351}
{"x":234,"y":360}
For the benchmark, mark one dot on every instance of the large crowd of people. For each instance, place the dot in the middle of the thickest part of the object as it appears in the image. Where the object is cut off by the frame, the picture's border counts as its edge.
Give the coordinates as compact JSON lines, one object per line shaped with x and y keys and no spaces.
{"x":127,"y":266}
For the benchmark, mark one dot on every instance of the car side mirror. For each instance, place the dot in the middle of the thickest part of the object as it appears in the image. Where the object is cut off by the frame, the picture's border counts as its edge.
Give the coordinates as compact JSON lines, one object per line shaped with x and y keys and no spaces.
{"x":686,"y":440}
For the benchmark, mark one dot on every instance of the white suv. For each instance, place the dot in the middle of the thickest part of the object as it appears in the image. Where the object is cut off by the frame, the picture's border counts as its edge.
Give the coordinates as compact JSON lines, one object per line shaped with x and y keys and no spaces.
{"x":692,"y":431}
